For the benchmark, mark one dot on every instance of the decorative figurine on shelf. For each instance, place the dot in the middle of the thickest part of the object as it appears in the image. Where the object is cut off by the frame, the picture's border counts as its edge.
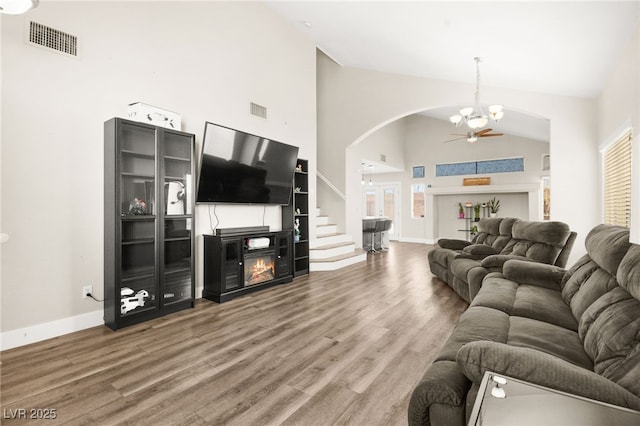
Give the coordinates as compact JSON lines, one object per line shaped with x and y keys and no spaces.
{"x":460,"y":211}
{"x":299,"y":168}
{"x":297,"y":189}
{"x":296,"y":230}
{"x":129,"y":302}
{"x":137,"y":207}
{"x":298,"y":210}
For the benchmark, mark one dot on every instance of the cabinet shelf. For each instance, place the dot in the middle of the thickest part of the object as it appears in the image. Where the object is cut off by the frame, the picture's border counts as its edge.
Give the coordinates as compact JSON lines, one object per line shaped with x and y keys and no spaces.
{"x":138,"y":241}
{"x":137,"y":154}
{"x":170,"y":157}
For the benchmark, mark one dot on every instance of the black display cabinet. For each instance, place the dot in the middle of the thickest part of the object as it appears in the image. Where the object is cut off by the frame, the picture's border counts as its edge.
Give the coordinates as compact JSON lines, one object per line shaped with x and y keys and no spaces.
{"x":148,"y":222}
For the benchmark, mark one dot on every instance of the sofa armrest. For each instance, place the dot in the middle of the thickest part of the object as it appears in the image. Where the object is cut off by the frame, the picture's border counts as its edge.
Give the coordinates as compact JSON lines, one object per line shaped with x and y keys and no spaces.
{"x":441,"y":384}
{"x":533,"y":273}
{"x":453,"y":244}
{"x":479,"y":250}
{"x":497,"y":261}
{"x":540,"y":368}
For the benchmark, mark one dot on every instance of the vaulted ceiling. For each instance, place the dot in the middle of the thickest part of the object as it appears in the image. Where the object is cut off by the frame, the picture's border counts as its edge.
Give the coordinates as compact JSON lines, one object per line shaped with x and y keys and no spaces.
{"x":557,"y":47}
{"x":554,"y":47}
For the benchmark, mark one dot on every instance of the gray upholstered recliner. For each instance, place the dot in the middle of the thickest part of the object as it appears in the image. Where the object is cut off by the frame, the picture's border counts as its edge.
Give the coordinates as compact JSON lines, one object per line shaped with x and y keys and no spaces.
{"x":544,"y":242}
{"x":573,"y":330}
{"x":493,"y":235}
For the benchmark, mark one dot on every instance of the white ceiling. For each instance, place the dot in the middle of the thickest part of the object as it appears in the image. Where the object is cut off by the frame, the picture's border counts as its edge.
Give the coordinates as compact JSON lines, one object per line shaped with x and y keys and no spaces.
{"x":557,"y":47}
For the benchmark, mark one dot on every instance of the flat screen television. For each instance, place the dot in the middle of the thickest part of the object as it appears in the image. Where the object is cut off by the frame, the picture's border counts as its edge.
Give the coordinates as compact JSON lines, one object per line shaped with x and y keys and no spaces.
{"x":241,"y":168}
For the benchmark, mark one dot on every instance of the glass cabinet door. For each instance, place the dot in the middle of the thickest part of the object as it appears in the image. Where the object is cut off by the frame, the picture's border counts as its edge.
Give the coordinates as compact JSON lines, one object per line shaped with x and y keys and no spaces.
{"x":137,"y":209}
{"x":177,"y":198}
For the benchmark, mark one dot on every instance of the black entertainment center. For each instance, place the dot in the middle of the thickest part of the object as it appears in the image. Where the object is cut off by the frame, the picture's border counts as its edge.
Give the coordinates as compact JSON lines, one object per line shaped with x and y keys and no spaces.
{"x":241,"y":260}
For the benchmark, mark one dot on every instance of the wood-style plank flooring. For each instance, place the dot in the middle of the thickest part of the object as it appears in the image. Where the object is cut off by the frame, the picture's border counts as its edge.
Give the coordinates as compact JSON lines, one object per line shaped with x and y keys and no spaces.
{"x":332,"y":348}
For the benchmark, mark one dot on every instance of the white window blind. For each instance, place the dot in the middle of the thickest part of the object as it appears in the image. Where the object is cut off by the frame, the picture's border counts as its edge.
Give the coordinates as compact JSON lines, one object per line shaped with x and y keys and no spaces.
{"x":617,"y":182}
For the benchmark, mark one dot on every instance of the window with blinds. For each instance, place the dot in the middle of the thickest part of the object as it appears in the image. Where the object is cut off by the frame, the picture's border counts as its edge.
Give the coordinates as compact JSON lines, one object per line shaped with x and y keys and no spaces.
{"x":617,"y":182}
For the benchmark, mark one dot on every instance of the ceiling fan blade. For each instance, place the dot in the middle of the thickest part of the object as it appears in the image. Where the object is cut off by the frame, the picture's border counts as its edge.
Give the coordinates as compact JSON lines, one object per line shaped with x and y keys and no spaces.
{"x":456,"y":139}
{"x":487,"y":135}
{"x":482,"y":132}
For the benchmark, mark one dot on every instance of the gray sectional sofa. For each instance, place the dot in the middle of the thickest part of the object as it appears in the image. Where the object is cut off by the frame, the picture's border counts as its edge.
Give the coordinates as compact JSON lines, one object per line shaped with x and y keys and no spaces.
{"x":575,"y":330}
{"x":463,"y":265}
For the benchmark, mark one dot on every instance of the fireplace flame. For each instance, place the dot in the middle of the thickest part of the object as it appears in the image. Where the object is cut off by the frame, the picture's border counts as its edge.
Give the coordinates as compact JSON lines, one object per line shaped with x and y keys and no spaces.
{"x":260,"y":270}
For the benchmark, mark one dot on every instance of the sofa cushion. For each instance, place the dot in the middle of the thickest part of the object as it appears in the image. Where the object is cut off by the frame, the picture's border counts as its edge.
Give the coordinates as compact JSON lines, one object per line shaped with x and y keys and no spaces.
{"x":538,"y":241}
{"x":548,"y":338}
{"x":607,"y":245}
{"x":610,"y":329}
{"x":479,"y":249}
{"x":476,"y":323}
{"x":628,"y":274}
{"x":538,"y":303}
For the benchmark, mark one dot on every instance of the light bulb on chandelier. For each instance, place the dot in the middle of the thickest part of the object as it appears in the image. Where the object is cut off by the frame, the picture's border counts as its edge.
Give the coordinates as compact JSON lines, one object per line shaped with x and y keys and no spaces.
{"x":17,"y":7}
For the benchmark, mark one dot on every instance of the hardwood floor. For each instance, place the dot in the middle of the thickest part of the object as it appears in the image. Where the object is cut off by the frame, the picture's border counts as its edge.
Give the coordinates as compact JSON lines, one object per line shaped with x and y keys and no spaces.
{"x":344,"y":347}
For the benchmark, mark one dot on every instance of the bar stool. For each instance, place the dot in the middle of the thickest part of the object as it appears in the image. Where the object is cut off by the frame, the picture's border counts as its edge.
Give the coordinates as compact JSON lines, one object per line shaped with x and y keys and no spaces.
{"x":378,"y":230}
{"x":387,"y":227}
{"x":368,"y":228}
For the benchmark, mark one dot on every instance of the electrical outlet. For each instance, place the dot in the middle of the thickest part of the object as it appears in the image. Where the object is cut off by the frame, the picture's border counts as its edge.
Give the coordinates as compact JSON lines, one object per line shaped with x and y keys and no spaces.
{"x":86,"y":290}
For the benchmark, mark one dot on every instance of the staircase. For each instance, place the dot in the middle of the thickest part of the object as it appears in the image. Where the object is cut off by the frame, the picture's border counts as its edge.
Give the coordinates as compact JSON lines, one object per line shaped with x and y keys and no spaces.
{"x":330,"y":250}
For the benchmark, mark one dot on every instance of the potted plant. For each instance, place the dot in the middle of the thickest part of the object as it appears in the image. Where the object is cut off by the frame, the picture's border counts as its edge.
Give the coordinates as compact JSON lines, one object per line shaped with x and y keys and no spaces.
{"x":460,"y":211}
{"x":494,"y":206}
{"x":476,"y":212}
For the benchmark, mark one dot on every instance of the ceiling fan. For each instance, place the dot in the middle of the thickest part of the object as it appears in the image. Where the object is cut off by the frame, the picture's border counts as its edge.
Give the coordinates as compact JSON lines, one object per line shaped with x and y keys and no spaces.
{"x":472,"y":136}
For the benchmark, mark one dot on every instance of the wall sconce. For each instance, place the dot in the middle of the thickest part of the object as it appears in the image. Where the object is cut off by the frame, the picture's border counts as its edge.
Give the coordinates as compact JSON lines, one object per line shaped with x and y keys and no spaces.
{"x":497,"y":391}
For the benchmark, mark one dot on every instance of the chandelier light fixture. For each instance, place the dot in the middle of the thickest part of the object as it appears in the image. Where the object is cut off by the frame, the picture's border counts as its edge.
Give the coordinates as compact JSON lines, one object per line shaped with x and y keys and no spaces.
{"x":17,"y":7}
{"x":474,"y":117}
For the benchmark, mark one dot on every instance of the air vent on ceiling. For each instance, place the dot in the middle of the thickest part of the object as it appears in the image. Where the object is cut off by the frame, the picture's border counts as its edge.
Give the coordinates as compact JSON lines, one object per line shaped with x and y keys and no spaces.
{"x":258,"y":110}
{"x":50,"y":38}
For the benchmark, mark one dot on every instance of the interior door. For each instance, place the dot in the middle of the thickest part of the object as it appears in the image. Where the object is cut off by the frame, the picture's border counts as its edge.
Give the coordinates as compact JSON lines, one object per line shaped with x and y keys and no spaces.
{"x":382,"y":200}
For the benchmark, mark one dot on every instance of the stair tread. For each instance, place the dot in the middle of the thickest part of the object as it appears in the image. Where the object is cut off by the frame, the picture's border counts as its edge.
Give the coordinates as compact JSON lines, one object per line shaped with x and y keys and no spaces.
{"x":334,"y":234}
{"x":336,"y":245}
{"x":340,"y":257}
{"x":326,"y":224}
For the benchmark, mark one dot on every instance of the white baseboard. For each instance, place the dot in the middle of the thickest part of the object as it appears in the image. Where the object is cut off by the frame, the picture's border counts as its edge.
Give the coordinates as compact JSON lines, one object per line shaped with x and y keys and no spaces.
{"x":417,"y":240}
{"x":36,"y":333}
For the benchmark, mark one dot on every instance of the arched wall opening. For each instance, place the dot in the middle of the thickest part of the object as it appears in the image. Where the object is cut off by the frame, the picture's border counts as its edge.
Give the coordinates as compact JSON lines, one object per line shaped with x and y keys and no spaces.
{"x":392,"y":148}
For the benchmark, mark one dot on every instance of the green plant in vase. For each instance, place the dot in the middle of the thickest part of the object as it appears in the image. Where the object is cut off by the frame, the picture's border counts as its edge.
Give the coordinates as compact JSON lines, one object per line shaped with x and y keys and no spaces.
{"x":494,"y":206}
{"x":460,"y":211}
{"x":476,"y":212}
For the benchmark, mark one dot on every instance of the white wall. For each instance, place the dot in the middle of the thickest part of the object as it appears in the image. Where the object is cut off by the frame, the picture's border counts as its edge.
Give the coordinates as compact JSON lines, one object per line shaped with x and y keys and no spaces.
{"x":207,"y":61}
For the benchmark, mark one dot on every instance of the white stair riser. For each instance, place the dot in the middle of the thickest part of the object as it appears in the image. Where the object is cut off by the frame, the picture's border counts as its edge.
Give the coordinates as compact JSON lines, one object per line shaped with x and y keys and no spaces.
{"x":332,"y":252}
{"x":326,"y":230}
{"x":332,"y":266}
{"x":333,"y":239}
{"x":322,"y":220}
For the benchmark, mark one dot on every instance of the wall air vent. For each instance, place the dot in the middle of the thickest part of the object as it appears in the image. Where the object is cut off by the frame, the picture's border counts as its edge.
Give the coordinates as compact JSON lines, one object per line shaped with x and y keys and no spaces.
{"x":258,"y":110}
{"x":52,"y":39}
